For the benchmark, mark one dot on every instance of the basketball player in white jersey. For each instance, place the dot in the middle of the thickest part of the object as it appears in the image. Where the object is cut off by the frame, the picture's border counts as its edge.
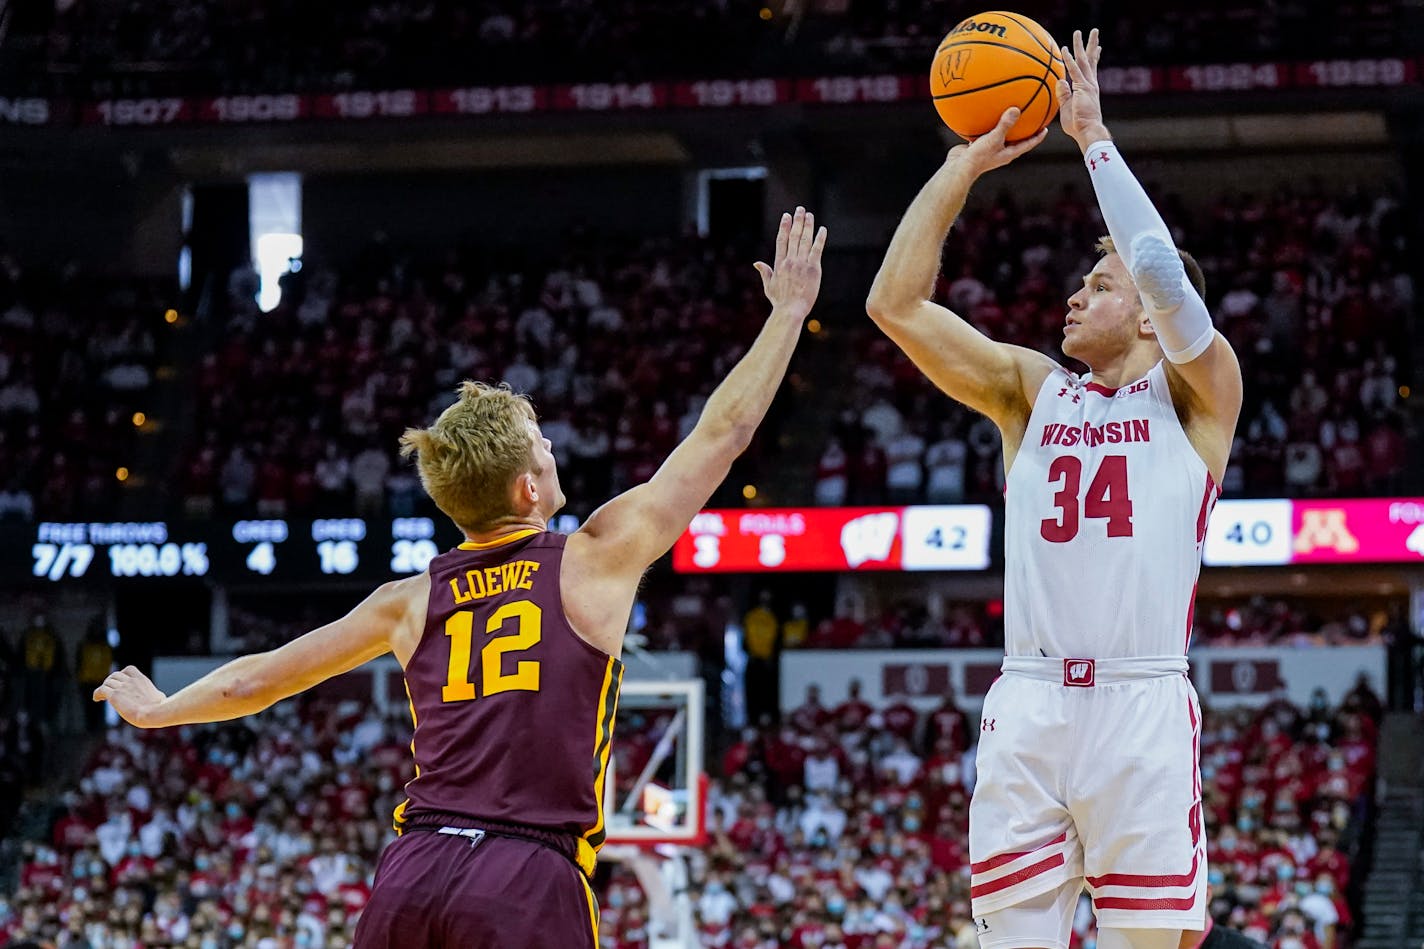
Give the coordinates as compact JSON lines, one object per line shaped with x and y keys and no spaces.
{"x":1088,"y":746}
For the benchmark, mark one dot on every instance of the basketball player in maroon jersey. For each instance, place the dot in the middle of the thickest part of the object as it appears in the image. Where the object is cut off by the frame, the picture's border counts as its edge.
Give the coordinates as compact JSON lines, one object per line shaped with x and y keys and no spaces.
{"x":1088,"y":777}
{"x":510,"y":646}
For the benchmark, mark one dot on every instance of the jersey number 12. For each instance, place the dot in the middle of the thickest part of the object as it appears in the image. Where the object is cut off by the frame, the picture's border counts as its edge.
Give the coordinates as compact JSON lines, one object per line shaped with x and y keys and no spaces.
{"x":1106,"y":497}
{"x":460,"y":627}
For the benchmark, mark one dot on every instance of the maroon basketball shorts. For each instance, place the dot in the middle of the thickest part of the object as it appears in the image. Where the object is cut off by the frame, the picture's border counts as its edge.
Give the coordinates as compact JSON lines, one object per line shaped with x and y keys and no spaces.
{"x":462,"y":891}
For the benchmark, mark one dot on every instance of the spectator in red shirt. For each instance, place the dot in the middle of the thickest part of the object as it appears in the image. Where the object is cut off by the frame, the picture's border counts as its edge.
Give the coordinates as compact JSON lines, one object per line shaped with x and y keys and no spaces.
{"x":854,"y":712}
{"x":900,"y":718}
{"x":811,"y":714}
{"x":948,"y":721}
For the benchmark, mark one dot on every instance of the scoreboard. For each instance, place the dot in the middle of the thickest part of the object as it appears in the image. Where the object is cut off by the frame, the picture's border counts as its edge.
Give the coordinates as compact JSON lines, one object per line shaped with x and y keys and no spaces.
{"x":261,"y":550}
{"x":1268,"y":532}
{"x":936,"y":537}
{"x":1279,"y":532}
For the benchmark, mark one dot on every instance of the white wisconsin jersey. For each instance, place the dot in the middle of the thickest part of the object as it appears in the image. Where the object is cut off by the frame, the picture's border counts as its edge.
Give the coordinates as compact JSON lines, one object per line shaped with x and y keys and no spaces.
{"x":1106,"y":510}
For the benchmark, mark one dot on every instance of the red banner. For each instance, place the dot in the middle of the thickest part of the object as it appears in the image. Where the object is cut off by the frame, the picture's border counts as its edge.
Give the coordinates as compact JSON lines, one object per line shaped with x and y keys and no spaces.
{"x":488,"y":100}
{"x":1228,"y":77}
{"x":389,"y":104}
{"x":731,"y":93}
{"x":1346,"y":73}
{"x":932,"y":537}
{"x":610,"y":97}
{"x":141,"y":113}
{"x":1246,"y":676}
{"x":978,"y":676}
{"x":915,"y":679}
{"x":852,"y":90}
{"x":238,"y":109}
{"x":809,"y":539}
{"x":700,"y":94}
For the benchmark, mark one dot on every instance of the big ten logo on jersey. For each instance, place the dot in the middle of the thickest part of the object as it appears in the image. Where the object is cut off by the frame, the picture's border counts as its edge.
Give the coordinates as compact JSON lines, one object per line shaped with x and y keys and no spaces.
{"x":869,"y":537}
{"x":1141,"y":385}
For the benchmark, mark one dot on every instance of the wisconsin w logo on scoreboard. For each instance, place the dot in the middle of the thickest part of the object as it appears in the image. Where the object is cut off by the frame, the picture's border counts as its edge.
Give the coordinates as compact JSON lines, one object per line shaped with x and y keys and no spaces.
{"x":953,"y":66}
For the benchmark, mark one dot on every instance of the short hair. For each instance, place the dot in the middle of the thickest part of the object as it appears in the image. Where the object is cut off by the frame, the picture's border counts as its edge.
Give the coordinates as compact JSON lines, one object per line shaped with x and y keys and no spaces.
{"x":1105,"y":246}
{"x":469,"y":458}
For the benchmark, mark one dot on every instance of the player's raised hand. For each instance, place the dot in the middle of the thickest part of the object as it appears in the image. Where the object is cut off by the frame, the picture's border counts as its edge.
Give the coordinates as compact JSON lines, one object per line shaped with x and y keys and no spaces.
{"x":993,"y":149}
{"x":793,"y":281}
{"x":134,"y":696}
{"x":1080,"y":106}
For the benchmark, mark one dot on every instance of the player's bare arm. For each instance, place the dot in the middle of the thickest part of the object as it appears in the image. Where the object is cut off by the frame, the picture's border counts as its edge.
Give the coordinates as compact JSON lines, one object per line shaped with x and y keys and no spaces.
{"x":1202,"y":369}
{"x":387,"y":619}
{"x":606,"y":558}
{"x":995,"y":378}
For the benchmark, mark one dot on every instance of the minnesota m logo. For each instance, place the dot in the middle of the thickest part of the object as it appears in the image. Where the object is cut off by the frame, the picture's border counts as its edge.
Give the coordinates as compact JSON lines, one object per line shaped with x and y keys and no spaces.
{"x":953,"y":66}
{"x":1325,"y":528}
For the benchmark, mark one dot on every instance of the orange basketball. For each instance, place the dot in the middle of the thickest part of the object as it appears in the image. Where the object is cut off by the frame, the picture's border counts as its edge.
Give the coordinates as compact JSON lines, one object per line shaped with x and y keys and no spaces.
{"x":993,"y":61}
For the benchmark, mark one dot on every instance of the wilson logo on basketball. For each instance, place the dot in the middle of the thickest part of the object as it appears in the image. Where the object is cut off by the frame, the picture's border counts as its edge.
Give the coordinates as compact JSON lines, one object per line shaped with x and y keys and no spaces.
{"x":953,"y":67}
{"x":974,"y":26}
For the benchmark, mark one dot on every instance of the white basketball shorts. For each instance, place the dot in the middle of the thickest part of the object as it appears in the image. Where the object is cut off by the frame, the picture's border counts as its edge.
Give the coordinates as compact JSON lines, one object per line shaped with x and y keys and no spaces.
{"x":1088,"y":775}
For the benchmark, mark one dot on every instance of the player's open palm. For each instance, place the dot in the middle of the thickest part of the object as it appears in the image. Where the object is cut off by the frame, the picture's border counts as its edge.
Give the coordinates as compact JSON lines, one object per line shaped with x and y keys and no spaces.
{"x":133,"y":695}
{"x":1080,"y":106}
{"x":793,"y":281}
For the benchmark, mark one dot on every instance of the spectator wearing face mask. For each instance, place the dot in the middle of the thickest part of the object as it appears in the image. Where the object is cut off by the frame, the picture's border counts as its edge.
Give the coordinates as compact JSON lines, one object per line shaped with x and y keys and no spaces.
{"x":1217,"y":937}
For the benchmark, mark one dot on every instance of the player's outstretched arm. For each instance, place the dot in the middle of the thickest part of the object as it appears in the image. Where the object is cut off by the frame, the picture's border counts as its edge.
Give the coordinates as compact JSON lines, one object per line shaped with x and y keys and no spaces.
{"x":249,"y":684}
{"x":994,"y":378}
{"x":623,"y":537}
{"x":1198,"y":356}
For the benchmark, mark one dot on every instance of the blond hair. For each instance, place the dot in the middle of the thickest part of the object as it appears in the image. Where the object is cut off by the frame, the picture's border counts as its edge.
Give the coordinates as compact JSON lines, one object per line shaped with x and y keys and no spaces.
{"x":1105,"y":246}
{"x":469,"y":458}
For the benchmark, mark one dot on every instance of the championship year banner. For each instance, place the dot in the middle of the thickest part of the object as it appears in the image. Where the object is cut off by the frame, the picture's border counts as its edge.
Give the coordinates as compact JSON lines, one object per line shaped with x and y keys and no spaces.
{"x":704,"y":94}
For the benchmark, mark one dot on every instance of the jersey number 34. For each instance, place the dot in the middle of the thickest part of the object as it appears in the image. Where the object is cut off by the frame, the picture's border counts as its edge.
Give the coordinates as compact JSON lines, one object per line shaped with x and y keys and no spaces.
{"x":1106,"y":497}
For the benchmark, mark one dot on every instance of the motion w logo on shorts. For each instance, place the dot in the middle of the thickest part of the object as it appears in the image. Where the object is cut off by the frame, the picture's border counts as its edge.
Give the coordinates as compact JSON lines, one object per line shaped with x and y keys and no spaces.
{"x":1078,"y":672}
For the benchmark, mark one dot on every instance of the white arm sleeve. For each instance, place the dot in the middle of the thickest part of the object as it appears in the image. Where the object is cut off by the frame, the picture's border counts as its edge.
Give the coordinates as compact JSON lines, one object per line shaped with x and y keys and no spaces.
{"x":1139,"y":234}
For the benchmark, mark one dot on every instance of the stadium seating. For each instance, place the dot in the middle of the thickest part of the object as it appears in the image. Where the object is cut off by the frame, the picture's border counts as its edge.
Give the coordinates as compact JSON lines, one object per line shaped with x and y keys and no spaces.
{"x":844,"y":827}
{"x":301,"y":408}
{"x":79,"y":356}
{"x":203,"y":46}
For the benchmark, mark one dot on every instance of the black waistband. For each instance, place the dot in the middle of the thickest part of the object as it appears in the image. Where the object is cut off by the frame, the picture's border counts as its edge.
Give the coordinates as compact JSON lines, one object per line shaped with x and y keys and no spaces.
{"x":564,"y":844}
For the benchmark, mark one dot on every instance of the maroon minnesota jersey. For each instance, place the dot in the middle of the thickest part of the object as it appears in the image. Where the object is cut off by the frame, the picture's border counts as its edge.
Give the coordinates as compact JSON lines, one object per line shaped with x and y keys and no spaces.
{"x":513,"y":710}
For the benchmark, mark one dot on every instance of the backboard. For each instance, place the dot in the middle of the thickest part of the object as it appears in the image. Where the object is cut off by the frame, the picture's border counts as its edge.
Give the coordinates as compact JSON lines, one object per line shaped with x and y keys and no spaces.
{"x":656,"y":787}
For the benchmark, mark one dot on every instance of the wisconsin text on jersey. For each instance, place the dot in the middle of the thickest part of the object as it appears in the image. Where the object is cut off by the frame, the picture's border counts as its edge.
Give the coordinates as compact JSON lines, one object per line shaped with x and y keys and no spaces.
{"x":1127,"y":430}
